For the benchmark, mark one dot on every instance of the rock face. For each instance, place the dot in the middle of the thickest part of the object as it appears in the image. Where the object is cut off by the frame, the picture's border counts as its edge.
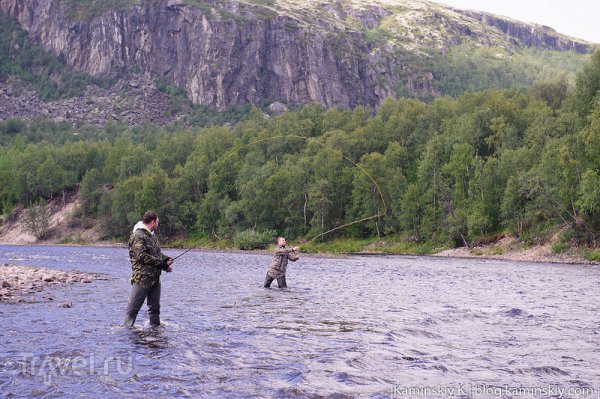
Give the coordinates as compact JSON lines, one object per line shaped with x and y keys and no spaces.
{"x":228,"y":53}
{"x":219,"y":61}
{"x":530,"y":35}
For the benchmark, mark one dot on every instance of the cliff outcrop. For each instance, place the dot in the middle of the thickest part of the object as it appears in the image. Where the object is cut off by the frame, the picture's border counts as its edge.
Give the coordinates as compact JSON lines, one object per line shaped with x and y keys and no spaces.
{"x":237,"y":52}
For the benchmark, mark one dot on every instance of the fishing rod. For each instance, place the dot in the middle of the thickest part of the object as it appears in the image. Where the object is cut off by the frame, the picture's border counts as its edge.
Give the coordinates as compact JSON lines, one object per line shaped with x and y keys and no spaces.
{"x":307,"y":139}
{"x":184,"y":252}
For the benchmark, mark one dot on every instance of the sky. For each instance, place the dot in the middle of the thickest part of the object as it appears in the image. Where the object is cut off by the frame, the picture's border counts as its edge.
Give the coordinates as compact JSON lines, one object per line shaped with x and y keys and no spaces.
{"x":577,"y":18}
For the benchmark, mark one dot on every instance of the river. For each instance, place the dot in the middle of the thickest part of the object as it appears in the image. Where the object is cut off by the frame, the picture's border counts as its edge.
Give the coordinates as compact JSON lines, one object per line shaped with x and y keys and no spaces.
{"x":376,"y":327}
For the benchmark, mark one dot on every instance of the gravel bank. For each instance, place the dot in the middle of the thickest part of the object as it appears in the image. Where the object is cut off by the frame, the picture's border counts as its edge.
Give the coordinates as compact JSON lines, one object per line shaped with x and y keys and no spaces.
{"x":18,"y":281}
{"x":509,"y":248}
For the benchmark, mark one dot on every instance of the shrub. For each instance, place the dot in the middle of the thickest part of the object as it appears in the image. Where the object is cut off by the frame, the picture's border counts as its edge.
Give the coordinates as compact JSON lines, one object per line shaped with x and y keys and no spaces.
{"x":593,"y":256}
{"x":36,"y":220}
{"x":559,"y":247}
{"x":496,"y":250}
{"x":336,"y":246}
{"x":252,"y":239}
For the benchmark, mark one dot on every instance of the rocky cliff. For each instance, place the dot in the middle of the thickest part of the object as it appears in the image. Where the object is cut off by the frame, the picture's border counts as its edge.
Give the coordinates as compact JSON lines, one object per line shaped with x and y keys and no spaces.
{"x":530,"y":34}
{"x":235,"y":52}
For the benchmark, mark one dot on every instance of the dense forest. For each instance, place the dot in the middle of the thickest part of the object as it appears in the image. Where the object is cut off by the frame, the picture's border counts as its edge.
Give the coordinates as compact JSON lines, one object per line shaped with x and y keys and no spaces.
{"x":526,"y":162}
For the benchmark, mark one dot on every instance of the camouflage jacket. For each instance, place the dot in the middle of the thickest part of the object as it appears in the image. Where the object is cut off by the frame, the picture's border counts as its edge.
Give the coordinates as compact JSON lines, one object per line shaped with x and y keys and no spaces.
{"x":278,"y":265}
{"x":147,"y":260}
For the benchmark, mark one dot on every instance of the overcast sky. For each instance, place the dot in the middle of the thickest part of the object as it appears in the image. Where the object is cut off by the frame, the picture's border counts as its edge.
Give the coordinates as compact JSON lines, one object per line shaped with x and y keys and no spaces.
{"x":577,"y":18}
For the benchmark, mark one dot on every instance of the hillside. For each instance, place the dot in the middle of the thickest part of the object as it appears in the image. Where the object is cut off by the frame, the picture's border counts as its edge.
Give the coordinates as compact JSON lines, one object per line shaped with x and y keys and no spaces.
{"x":61,"y":227}
{"x":424,"y":176}
{"x":337,"y":53}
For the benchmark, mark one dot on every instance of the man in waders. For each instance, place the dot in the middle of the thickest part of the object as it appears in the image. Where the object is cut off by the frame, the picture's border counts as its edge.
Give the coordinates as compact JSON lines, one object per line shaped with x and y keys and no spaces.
{"x":147,"y":262}
{"x":278,"y":265}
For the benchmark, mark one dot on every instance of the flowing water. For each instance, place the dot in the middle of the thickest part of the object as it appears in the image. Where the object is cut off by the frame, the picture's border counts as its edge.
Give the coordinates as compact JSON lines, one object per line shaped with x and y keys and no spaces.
{"x":372,"y":326}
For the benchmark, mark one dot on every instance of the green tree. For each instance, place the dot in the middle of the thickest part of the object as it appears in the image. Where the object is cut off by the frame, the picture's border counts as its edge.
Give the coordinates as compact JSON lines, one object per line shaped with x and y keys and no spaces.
{"x":589,"y":203}
{"x":367,"y":193}
{"x":587,"y":85}
{"x":37,"y":220}
{"x":91,"y":191}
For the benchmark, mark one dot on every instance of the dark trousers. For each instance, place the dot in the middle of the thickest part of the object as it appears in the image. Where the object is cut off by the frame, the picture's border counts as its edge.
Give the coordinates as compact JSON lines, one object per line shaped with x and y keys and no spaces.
{"x":136,"y":300}
{"x":280,"y":281}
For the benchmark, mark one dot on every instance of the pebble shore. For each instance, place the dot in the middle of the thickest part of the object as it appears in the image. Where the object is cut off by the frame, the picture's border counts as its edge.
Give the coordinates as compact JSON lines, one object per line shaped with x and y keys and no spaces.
{"x":18,"y":281}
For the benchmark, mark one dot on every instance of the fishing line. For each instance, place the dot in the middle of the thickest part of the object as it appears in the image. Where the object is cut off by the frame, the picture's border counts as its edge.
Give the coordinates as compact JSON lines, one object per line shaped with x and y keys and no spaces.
{"x":307,"y":139}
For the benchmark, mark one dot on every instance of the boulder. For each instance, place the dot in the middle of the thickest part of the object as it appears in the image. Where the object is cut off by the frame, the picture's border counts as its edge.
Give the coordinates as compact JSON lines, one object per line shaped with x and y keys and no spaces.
{"x":278,"y":108}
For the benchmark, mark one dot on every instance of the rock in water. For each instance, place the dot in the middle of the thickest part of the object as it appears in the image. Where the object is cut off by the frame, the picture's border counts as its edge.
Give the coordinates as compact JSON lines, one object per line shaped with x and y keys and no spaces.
{"x":18,"y":280}
{"x":65,"y":304}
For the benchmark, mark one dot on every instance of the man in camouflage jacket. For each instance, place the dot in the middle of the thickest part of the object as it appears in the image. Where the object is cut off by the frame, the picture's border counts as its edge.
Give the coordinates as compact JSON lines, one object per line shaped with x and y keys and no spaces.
{"x":147,"y":262}
{"x":278,"y":265}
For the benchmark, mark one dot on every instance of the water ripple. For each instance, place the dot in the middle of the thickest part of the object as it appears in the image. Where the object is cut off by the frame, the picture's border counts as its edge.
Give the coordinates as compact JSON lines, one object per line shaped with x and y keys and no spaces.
{"x":346,"y":328}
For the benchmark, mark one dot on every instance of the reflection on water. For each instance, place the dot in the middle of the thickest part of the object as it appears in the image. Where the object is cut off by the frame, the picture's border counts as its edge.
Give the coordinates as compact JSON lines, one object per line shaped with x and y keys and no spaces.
{"x":152,"y":337}
{"x":351,"y":327}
